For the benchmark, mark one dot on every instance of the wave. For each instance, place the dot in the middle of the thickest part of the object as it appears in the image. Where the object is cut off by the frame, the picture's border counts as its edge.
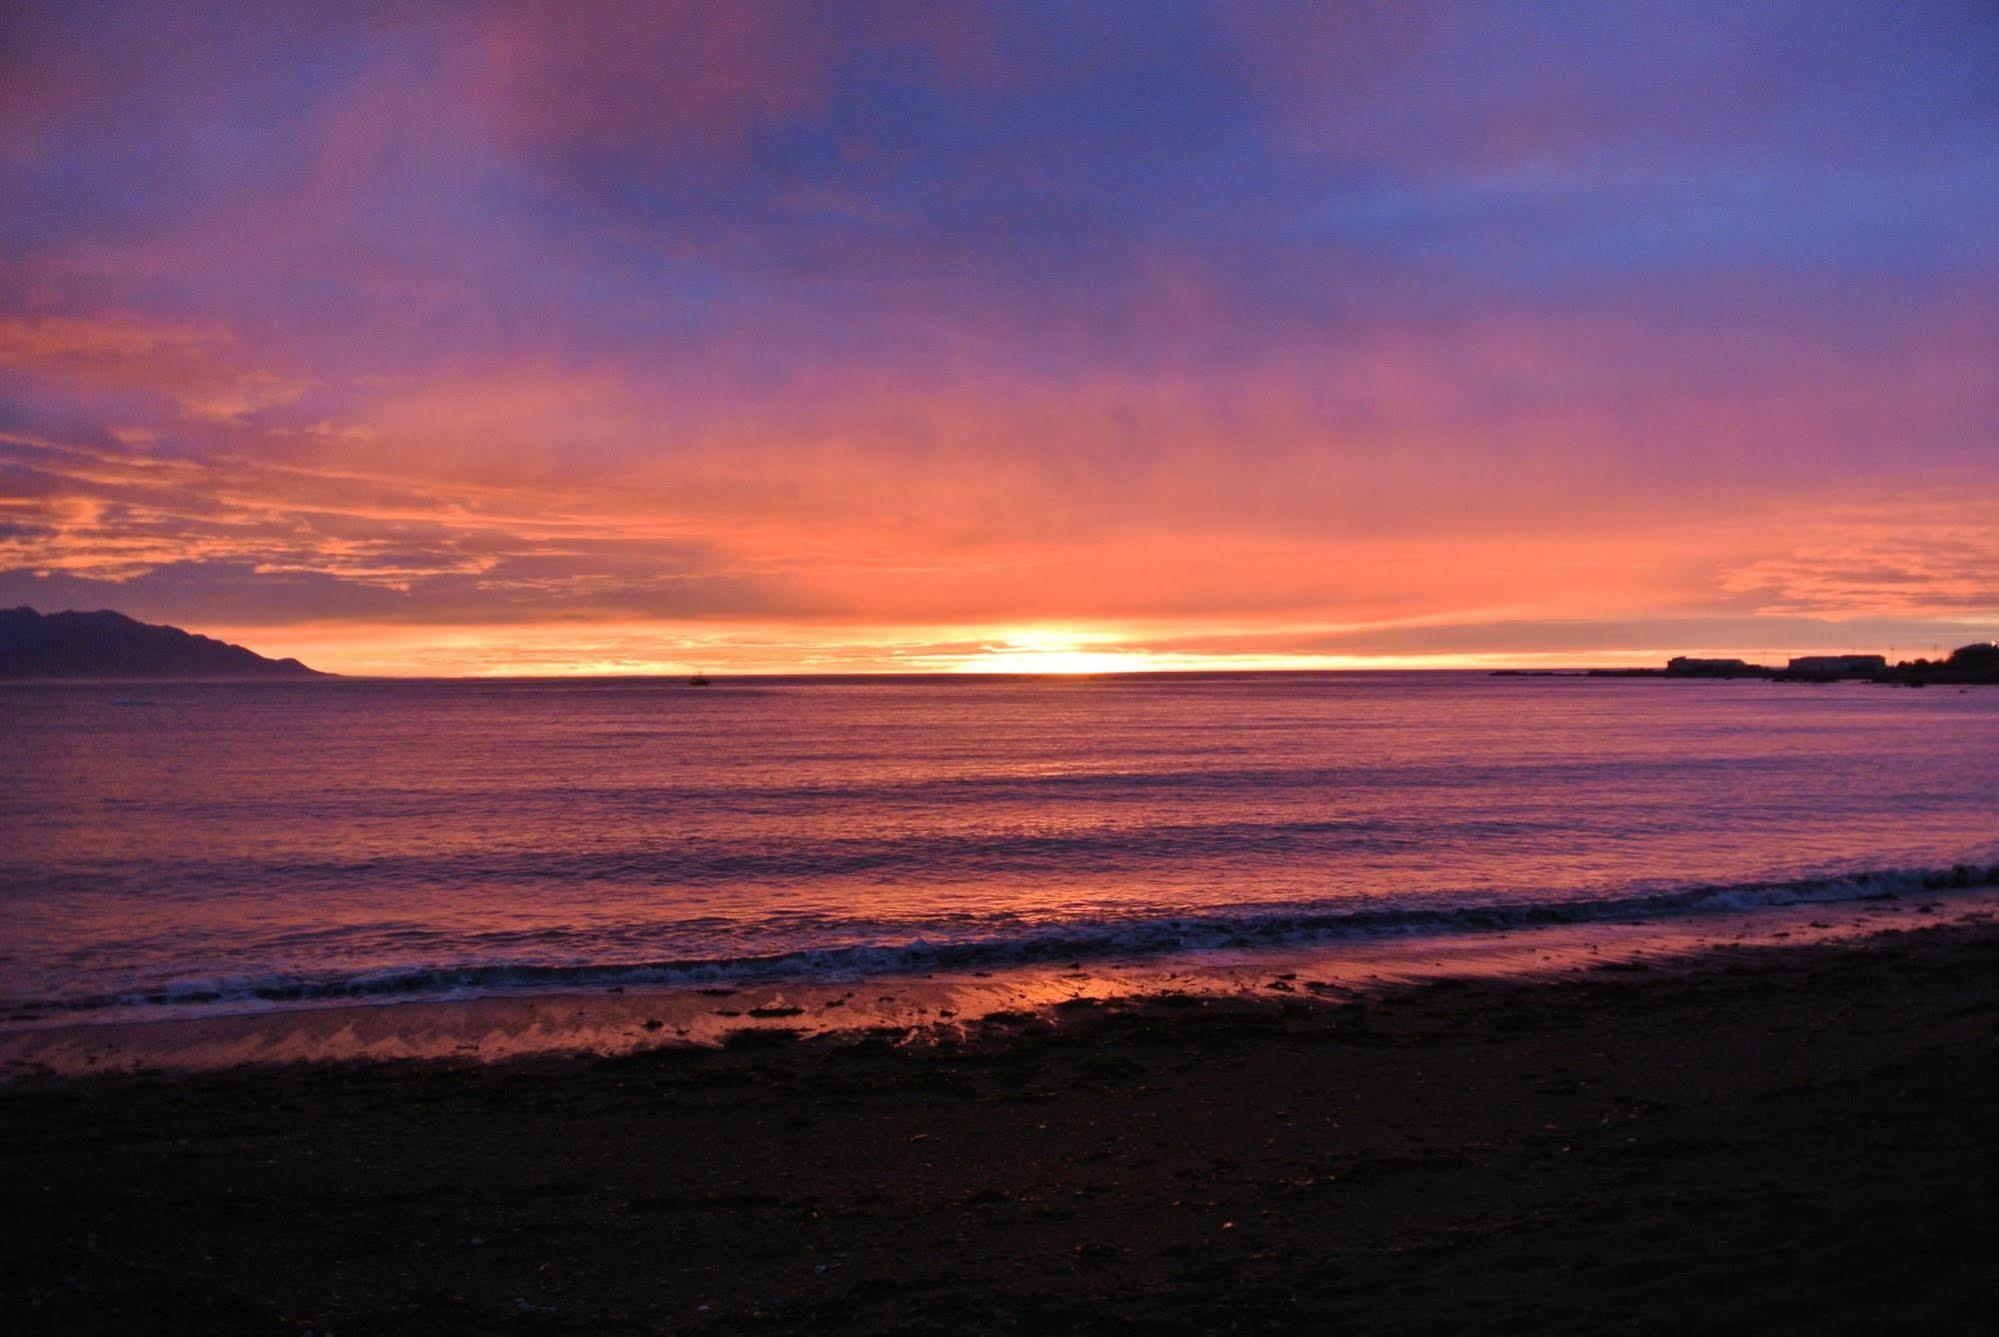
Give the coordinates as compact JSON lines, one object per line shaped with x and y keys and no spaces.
{"x":1096,"y":939}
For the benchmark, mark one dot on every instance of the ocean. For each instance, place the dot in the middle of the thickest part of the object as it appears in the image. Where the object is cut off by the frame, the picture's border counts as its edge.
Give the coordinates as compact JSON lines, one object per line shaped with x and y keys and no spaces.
{"x":195,"y":847}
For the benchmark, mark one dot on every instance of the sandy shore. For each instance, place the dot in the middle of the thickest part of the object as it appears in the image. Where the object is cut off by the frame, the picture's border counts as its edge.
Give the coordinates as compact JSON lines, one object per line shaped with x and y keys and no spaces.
{"x":609,"y":1021}
{"x":1771,"y":1137}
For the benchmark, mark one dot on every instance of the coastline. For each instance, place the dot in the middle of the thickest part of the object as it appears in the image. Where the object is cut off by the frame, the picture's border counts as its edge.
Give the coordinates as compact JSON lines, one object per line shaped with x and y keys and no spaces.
{"x":924,"y":1005}
{"x":1794,"y":1137}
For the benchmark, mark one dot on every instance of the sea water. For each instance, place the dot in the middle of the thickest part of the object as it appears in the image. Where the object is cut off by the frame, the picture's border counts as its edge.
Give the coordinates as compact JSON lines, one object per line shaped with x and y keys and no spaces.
{"x":207,"y":846}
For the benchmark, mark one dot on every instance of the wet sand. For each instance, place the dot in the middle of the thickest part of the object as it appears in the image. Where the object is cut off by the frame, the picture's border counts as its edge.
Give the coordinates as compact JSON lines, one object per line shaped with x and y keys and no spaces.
{"x":1768,"y":1136}
{"x":613,"y":1021}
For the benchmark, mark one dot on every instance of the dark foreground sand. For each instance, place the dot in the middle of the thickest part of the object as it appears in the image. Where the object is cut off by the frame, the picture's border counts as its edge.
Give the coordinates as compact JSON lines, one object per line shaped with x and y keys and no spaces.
{"x":1794,"y":1140}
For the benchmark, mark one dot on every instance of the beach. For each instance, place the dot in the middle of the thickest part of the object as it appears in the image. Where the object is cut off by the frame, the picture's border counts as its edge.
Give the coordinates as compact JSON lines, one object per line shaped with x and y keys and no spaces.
{"x":1785,"y":1138}
{"x":1372,"y":1003}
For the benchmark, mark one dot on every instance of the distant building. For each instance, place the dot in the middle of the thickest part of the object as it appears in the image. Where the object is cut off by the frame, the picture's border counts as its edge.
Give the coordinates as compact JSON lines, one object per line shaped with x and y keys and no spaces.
{"x":1686,"y":666}
{"x":1840,"y":665}
{"x":1980,"y":657}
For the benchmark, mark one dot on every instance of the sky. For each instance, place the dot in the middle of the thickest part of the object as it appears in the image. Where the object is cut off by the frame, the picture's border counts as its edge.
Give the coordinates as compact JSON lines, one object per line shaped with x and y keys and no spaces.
{"x":515,"y":337}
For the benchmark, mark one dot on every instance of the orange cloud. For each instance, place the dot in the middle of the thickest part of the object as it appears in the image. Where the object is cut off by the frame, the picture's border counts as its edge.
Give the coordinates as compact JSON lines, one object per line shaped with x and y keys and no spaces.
{"x":198,"y":370}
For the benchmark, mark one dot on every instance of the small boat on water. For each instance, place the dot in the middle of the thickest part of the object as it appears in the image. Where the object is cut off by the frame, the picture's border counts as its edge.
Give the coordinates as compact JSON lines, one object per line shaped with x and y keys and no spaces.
{"x":699,"y":679}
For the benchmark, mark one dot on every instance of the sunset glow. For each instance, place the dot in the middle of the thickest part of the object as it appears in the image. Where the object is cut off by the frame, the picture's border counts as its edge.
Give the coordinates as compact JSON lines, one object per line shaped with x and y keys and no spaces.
{"x":1002,"y":339}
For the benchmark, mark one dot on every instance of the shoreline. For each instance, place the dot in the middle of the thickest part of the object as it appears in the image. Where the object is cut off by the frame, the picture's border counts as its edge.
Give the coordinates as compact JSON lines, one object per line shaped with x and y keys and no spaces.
{"x":1795,"y":1138}
{"x":607,"y":1020}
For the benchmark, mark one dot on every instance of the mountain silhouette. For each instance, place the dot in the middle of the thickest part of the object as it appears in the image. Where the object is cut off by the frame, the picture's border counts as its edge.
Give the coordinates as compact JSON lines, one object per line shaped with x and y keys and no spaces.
{"x":111,"y":645}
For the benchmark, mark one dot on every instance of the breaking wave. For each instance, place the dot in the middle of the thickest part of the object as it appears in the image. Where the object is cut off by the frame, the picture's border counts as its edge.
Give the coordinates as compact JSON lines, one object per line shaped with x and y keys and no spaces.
{"x":893,"y":952}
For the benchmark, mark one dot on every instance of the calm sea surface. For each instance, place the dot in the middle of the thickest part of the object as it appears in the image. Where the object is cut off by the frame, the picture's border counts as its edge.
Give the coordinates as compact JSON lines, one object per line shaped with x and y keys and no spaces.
{"x":206,"y":844}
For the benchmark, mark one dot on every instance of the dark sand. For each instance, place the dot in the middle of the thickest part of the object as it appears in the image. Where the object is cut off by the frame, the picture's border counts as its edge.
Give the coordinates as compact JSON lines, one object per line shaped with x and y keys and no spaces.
{"x":1774,"y":1139}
